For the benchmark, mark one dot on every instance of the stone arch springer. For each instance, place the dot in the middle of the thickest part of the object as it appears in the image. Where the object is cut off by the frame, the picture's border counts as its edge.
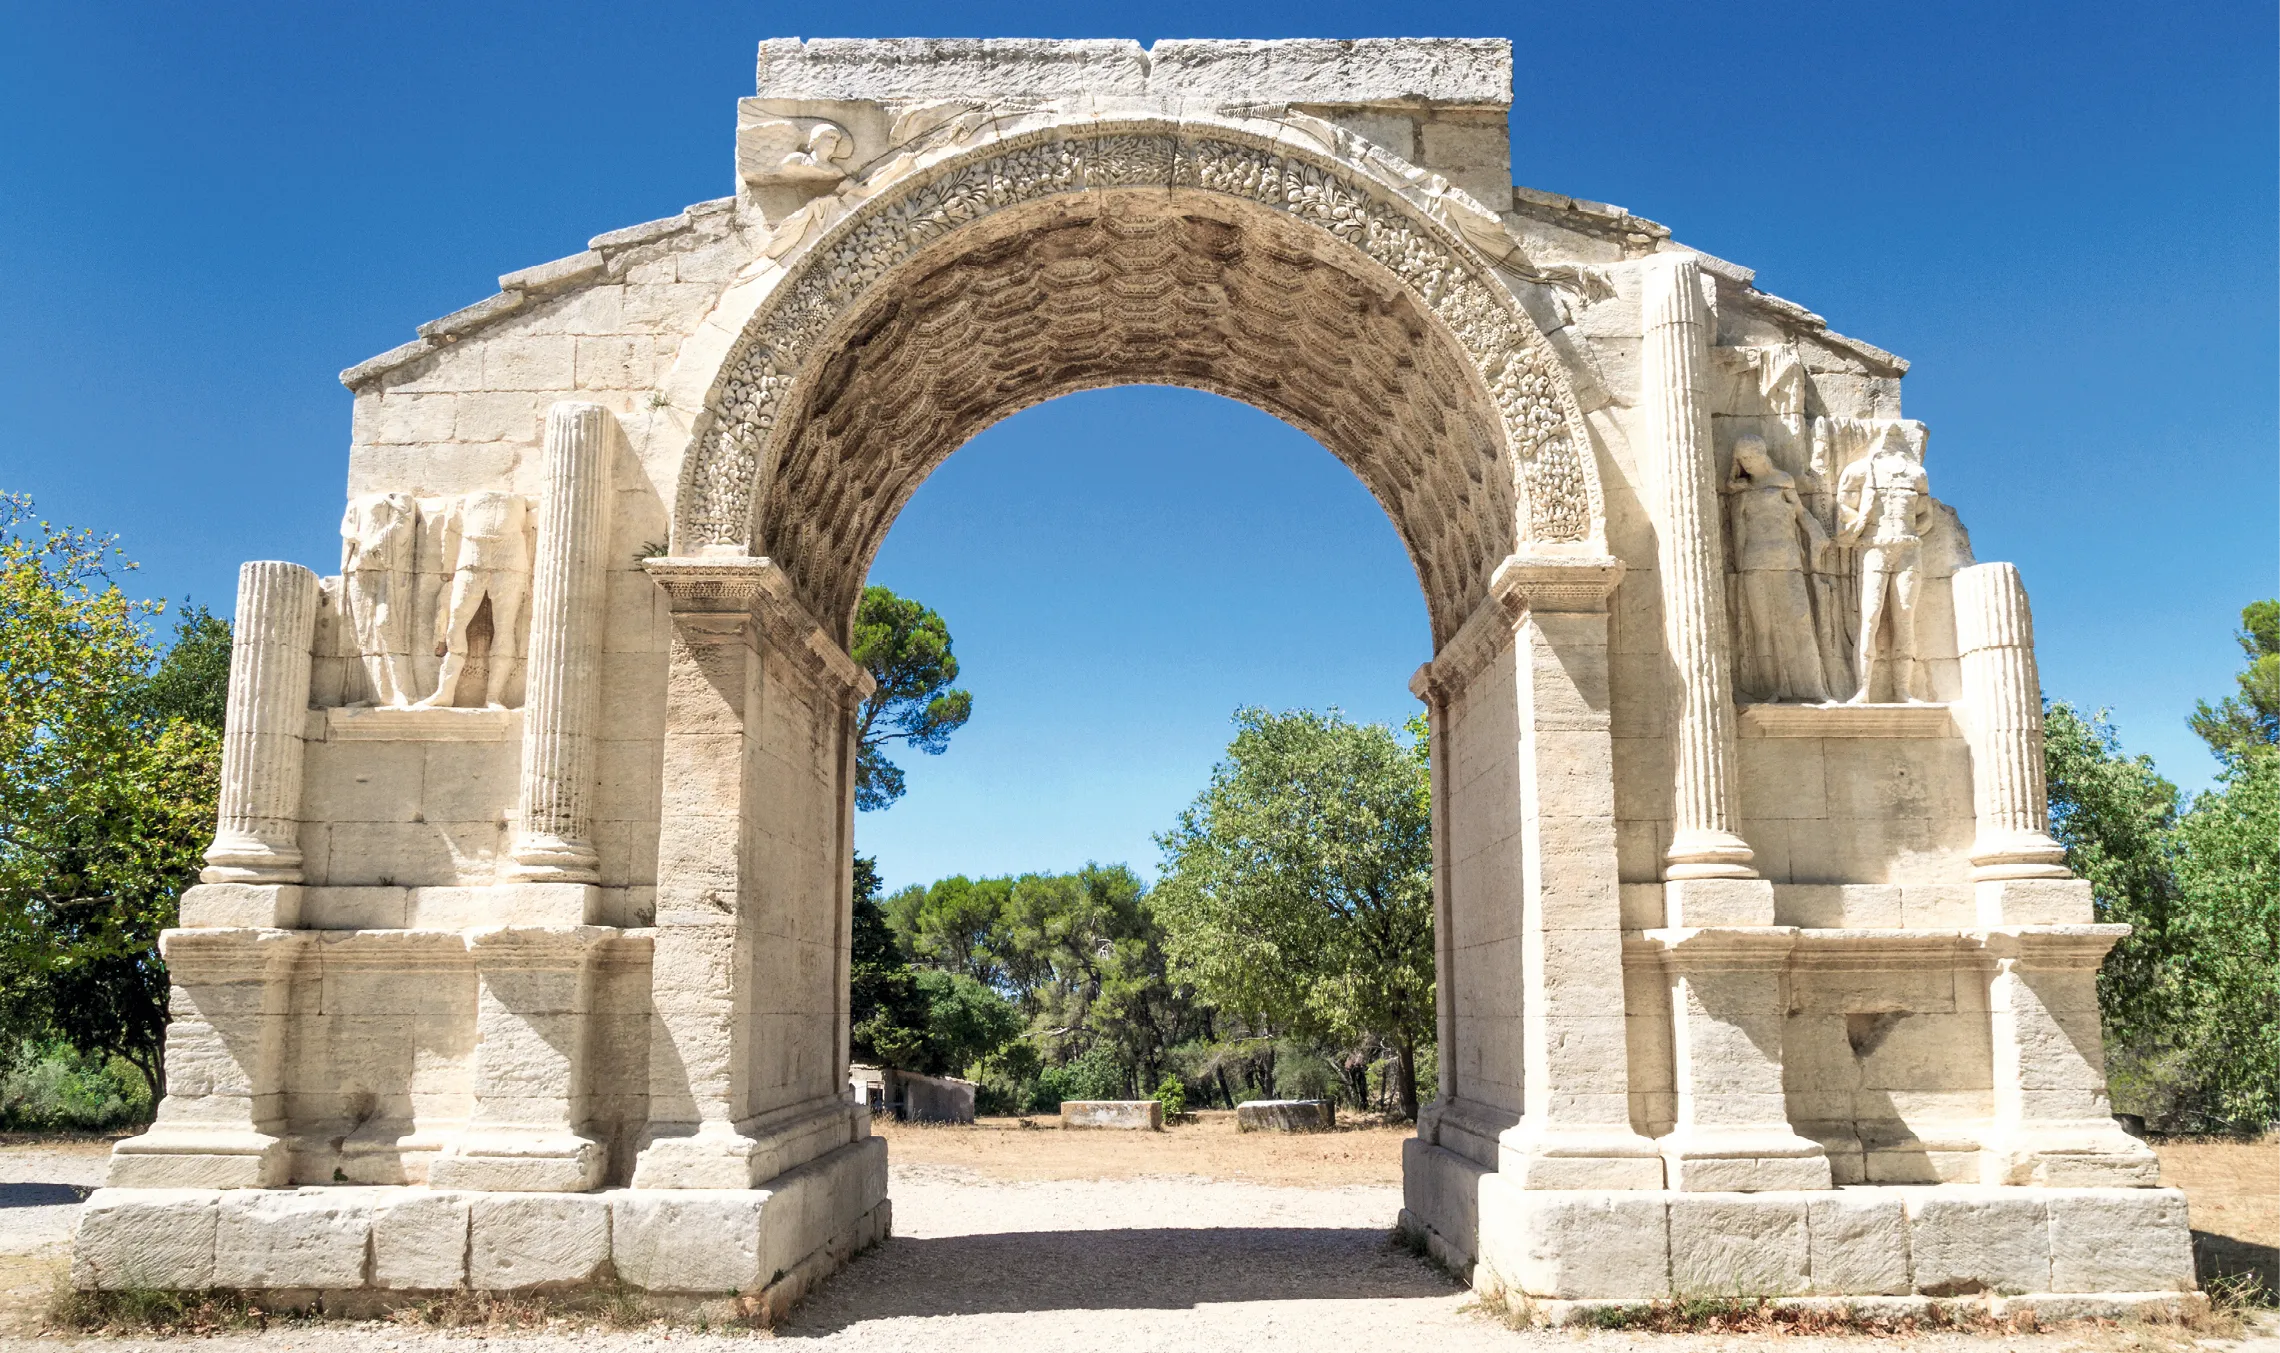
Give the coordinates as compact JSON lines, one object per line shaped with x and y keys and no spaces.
{"x":829,"y":267}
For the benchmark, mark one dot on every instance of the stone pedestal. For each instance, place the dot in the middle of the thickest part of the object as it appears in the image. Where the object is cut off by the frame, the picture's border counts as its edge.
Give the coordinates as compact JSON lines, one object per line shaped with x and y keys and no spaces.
{"x":1728,"y":999}
{"x":2053,"y":1122}
{"x":257,"y":837}
{"x":563,"y":689}
{"x":222,"y":1122}
{"x":535,"y":989}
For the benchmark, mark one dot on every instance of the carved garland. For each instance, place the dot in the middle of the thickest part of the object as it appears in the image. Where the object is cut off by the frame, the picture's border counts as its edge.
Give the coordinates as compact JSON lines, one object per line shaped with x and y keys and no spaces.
{"x":1557,"y":494}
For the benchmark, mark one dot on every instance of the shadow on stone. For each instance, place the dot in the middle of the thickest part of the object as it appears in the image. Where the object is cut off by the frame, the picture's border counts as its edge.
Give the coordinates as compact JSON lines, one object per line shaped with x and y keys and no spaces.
{"x":42,"y":1195}
{"x":1167,"y":1268}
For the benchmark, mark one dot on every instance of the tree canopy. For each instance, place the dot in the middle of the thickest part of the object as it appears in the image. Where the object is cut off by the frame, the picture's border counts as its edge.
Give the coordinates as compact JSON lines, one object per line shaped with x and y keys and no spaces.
{"x":109,"y":767}
{"x":1298,"y":887}
{"x":905,"y":647}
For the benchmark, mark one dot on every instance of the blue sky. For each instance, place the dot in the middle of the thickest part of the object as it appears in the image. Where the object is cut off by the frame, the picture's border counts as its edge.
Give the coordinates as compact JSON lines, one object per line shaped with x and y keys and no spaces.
{"x":2064,"y":216}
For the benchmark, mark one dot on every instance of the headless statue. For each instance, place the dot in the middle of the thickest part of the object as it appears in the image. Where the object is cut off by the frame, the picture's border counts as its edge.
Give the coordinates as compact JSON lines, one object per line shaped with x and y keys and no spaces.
{"x":485,"y":540}
{"x":1883,"y":507}
{"x":1775,"y":540}
{"x":376,"y":539}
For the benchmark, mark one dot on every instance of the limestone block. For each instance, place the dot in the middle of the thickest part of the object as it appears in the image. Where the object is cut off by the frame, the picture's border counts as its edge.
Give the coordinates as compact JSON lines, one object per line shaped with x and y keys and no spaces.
{"x":690,"y":1240}
{"x":1131,"y":1115}
{"x":1574,"y":1243}
{"x":1738,"y":1245}
{"x":2120,"y":1240}
{"x":518,"y":1240}
{"x":2034,"y":902}
{"x":243,"y":905}
{"x":356,"y":908}
{"x":1286,"y":1115}
{"x":305,"y":1238}
{"x":1442,"y":1189}
{"x":1969,"y":1240}
{"x":1859,"y":1243}
{"x":1718,"y":902}
{"x":159,"y":1238}
{"x":419,"y":1241}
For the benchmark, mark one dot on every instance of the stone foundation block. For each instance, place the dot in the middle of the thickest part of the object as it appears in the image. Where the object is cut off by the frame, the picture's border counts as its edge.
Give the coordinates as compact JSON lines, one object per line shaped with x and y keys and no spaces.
{"x":261,"y":906}
{"x":1286,"y":1115}
{"x":2120,"y":1240}
{"x":303,"y":1238}
{"x":1573,"y":1243}
{"x":1964,"y":1241}
{"x":1738,"y":1245}
{"x":1440,"y":1191}
{"x":1860,"y":1244}
{"x":692,"y":1240}
{"x":419,"y":1241}
{"x":536,"y":1239}
{"x":1131,"y":1115}
{"x":160,"y":1238}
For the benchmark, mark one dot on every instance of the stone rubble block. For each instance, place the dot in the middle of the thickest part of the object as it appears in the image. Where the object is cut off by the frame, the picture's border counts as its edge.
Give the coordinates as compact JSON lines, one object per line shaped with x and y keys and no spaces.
{"x":313,"y":1237}
{"x":2120,"y":1240}
{"x":1130,"y":1115}
{"x":1286,"y":1115}
{"x":522,"y":1240}
{"x":1738,"y":1245}
{"x":419,"y":1241}
{"x":160,"y":1238}
{"x":1965,"y":1240}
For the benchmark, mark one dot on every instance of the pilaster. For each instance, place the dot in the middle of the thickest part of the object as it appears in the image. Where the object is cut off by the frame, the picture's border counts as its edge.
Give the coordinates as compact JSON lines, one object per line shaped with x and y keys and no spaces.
{"x":2054,"y":1125}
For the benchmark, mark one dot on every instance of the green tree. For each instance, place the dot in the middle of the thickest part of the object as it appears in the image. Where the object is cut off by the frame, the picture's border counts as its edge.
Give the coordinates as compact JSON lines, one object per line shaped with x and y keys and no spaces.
{"x":887,"y":1014}
{"x":1298,"y":887}
{"x":2115,"y":815}
{"x":2250,"y":718}
{"x":906,"y":649}
{"x":109,"y":769}
{"x":2228,"y":867}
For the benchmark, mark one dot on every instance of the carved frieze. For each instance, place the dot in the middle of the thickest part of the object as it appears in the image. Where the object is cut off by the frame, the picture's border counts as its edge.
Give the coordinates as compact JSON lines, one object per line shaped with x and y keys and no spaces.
{"x":431,"y":598}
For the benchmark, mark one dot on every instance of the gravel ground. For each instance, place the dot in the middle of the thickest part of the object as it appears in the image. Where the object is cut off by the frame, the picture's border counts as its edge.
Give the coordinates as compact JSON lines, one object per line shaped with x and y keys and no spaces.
{"x":980,"y":1263}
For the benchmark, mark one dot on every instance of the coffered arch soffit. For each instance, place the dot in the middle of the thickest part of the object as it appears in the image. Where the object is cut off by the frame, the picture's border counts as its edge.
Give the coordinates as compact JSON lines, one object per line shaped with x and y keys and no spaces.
{"x":1075,"y":256}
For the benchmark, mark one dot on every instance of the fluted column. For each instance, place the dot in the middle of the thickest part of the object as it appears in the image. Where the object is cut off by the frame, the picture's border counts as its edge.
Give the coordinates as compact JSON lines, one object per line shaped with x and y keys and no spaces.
{"x":2003,"y":699}
{"x":562,"y":686}
{"x":1673,"y":359}
{"x":257,"y":837}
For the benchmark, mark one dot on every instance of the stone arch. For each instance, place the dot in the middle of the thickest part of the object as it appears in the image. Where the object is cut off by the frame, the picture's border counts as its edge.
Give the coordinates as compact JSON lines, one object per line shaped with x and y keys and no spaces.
{"x":1076,"y":256}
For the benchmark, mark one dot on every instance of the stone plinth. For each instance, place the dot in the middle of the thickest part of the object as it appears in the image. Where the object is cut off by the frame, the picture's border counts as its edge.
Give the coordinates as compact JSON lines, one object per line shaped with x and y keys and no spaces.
{"x":1126,"y":1115}
{"x":1286,"y":1115}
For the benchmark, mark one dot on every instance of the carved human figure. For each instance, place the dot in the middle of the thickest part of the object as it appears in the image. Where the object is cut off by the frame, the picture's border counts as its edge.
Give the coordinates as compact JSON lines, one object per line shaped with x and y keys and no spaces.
{"x":485,"y":538}
{"x":377,"y":535}
{"x":1883,"y":508}
{"x":1775,"y":541}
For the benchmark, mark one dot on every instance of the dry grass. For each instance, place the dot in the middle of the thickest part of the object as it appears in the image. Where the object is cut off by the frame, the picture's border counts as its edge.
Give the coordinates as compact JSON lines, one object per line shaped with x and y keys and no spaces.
{"x":1209,"y":1148}
{"x":2232,"y":1187}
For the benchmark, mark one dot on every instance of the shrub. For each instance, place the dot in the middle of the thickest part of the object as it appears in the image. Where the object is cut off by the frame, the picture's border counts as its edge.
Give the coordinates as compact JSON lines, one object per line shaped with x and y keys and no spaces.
{"x":1173,"y":1096}
{"x":51,"y":1087}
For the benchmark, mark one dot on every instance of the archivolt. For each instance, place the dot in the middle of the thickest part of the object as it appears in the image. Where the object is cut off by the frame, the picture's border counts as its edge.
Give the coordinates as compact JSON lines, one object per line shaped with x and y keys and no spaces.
{"x":1158,"y":254}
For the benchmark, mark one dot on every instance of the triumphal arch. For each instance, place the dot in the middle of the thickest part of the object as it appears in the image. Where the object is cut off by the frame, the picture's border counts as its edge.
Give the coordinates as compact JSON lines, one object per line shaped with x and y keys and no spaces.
{"x":521,"y":953}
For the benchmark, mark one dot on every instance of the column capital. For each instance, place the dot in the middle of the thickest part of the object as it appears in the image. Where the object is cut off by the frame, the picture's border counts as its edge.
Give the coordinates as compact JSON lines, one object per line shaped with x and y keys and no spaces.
{"x":756,"y":587}
{"x":1543,"y":579}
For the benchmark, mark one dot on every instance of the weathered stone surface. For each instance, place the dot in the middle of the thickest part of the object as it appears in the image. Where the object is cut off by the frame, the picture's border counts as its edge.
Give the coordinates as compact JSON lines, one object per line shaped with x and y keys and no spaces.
{"x":1134,"y":1115}
{"x":518,"y":1240}
{"x":1286,"y":1115}
{"x":301,"y":1238}
{"x":691,"y":1240}
{"x":1969,"y":1240}
{"x":161,"y":1238}
{"x":1738,"y":1245}
{"x":2120,"y":1240}
{"x":419,"y":1240}
{"x":1859,"y":1243}
{"x":1574,"y":1243}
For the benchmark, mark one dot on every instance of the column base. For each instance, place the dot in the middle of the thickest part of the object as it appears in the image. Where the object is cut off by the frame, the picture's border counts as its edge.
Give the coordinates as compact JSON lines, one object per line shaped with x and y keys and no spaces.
{"x":187,"y":1156}
{"x":504,"y":1160}
{"x":1701,"y":854}
{"x":2077,"y":1155}
{"x":718,"y":1155}
{"x":542,"y":858}
{"x":1534,"y":1157}
{"x":1743,"y":1160}
{"x":2017,"y":855}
